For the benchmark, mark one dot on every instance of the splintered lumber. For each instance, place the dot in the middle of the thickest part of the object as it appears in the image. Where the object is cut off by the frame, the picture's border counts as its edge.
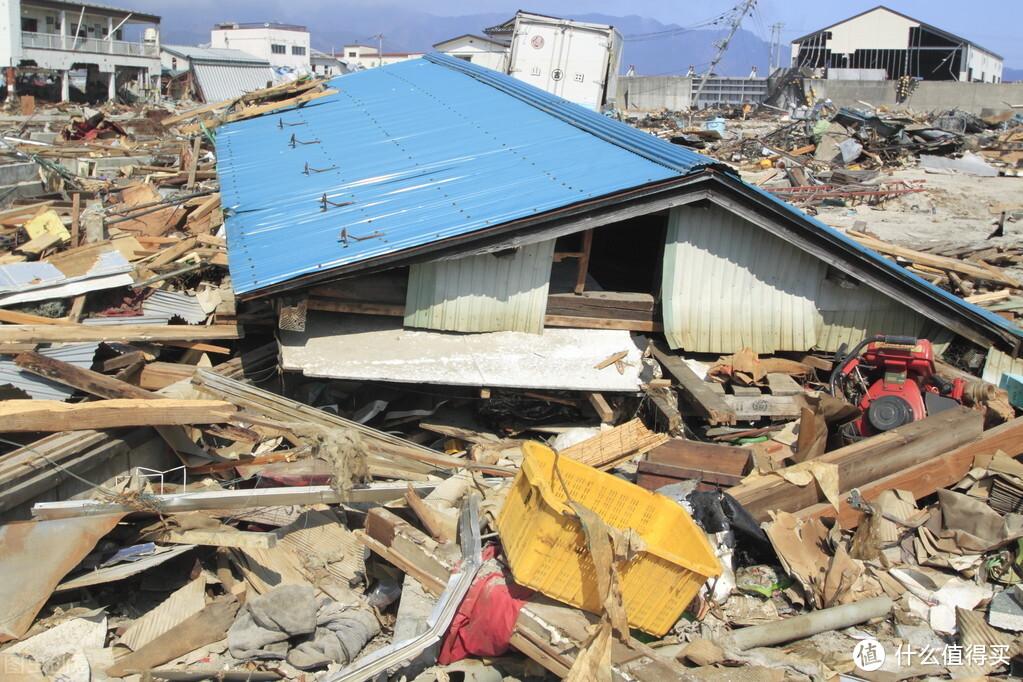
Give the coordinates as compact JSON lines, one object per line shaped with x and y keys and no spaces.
{"x":928,"y":476}
{"x":425,"y":515}
{"x":79,"y":378}
{"x":53,"y":415}
{"x":257,"y":110}
{"x":932,"y":260}
{"x":623,"y":442}
{"x":866,"y":461}
{"x":80,"y":333}
{"x":208,"y":626}
{"x":695,"y":390}
{"x":387,"y":450}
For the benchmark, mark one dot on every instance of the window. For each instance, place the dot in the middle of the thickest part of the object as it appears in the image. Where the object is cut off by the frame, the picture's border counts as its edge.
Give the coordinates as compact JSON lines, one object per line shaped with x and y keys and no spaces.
{"x":352,"y":54}
{"x":278,"y":49}
{"x":297,"y":50}
{"x":29,"y":25}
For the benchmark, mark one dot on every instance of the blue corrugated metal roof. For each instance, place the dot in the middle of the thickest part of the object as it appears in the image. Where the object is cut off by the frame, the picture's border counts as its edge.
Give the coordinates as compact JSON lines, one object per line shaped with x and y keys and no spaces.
{"x":434,"y":148}
{"x":417,"y":151}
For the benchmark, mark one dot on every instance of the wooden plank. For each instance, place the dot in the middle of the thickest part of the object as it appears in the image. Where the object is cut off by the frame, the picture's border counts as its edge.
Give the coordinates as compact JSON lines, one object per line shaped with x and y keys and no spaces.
{"x":28,"y":210}
{"x":355,"y":307}
{"x":76,"y":218}
{"x":172,"y":253}
{"x":53,"y":415}
{"x":157,"y":375}
{"x":928,"y":476}
{"x":193,"y":164}
{"x":425,"y":515}
{"x":221,"y":538}
{"x":611,"y":360}
{"x":208,"y":626}
{"x":724,"y":459}
{"x":79,"y":378}
{"x":756,"y":407}
{"x":694,"y":390}
{"x":123,"y":332}
{"x":600,"y":406}
{"x":932,"y":260}
{"x":14,"y":317}
{"x":196,"y":345}
{"x":601,"y":323}
{"x":653,"y":475}
{"x":611,"y":447}
{"x":866,"y":461}
{"x":783,"y":385}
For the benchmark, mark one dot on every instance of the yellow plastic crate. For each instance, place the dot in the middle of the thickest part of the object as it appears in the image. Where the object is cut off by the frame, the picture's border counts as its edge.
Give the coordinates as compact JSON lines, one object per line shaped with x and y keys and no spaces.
{"x":547,"y":548}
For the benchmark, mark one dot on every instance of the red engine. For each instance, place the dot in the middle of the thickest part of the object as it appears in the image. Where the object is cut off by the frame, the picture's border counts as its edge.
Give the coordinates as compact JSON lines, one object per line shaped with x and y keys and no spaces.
{"x":894,"y":382}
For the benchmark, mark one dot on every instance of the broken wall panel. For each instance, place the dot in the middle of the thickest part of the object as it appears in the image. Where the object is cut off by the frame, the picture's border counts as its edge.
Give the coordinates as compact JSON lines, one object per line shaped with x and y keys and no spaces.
{"x":729,"y":285}
{"x":503,"y":291}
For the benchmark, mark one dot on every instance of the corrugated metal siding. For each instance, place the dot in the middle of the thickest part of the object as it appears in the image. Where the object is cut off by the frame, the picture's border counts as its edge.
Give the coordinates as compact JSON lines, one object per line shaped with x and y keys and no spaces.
{"x":729,"y":285}
{"x":39,"y":388}
{"x":227,"y":81}
{"x":999,"y":363}
{"x":168,"y":304}
{"x":486,"y":293}
{"x":420,"y":152}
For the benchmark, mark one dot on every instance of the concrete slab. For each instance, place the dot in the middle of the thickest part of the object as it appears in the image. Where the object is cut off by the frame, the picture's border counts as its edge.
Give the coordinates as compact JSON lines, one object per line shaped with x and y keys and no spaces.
{"x":372,"y":348}
{"x":1006,"y":612}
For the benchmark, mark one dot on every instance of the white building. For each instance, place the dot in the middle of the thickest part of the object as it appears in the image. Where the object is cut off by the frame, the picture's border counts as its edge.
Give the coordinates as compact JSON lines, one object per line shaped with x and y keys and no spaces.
{"x":330,"y":65}
{"x":489,"y":52}
{"x":881,"y":38}
{"x":285,"y":46}
{"x":366,"y":57}
{"x":60,"y":39}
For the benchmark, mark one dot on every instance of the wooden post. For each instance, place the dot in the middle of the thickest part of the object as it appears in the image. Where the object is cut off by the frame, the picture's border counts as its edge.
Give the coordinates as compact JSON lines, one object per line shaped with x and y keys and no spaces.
{"x":584,"y":262}
{"x":76,"y":215}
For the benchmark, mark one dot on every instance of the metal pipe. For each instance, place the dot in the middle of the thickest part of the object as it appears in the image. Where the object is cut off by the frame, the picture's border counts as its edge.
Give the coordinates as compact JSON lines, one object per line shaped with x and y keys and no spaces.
{"x":835,"y":618}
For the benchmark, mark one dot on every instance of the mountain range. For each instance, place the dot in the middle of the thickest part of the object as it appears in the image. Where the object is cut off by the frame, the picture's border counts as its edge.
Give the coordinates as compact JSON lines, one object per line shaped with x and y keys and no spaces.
{"x":412,"y":31}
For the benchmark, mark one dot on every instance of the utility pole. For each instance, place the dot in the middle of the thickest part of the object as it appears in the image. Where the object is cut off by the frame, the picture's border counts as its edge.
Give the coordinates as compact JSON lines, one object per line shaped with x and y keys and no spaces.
{"x":776,"y":30}
{"x":380,"y":48}
{"x":740,"y":12}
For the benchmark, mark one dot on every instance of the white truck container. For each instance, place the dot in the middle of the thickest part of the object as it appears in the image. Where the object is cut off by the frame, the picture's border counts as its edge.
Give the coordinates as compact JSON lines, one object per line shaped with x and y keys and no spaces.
{"x":571,"y":59}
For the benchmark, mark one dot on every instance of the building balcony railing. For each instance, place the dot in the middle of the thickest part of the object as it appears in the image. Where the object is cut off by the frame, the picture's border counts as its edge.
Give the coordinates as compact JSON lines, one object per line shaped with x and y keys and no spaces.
{"x":55,"y":41}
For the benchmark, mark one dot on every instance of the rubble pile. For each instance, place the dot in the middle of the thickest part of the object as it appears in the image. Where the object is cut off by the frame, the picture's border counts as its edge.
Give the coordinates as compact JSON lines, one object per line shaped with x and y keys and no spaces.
{"x":180,"y":503}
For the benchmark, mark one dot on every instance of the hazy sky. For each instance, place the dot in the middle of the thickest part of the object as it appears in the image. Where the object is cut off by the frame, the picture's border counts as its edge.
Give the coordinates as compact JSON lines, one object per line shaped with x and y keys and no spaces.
{"x":993,"y":25}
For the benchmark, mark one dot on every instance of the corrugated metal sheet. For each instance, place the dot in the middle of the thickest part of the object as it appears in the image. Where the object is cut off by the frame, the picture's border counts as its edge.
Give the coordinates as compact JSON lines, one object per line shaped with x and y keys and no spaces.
{"x":27,"y":282}
{"x":138,"y":319}
{"x":78,"y":354}
{"x":417,"y":151}
{"x":213,"y":54}
{"x":219,"y":82}
{"x":729,"y":285}
{"x":999,"y":363}
{"x":162,"y":303}
{"x":486,"y":293}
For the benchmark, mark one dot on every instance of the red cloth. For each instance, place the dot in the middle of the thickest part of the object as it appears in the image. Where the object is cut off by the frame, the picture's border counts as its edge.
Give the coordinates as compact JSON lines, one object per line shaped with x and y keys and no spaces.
{"x":486,"y":617}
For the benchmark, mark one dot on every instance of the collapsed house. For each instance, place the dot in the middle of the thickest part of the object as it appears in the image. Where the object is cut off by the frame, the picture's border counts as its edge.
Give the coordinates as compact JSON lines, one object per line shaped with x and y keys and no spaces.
{"x":435,"y":196}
